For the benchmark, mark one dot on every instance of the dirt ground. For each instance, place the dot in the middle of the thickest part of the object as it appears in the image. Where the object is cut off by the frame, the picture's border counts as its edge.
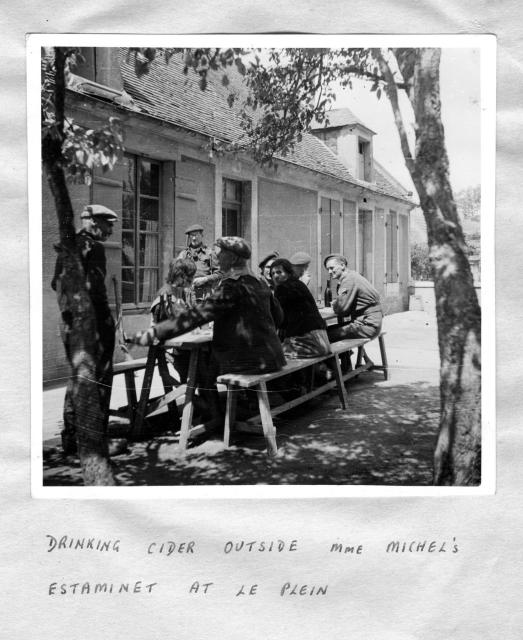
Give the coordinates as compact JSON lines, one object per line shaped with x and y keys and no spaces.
{"x":385,"y":437}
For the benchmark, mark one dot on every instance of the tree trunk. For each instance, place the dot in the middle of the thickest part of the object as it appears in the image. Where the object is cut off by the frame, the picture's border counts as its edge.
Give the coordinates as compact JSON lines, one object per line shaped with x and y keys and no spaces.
{"x":457,"y":458}
{"x":80,"y":336}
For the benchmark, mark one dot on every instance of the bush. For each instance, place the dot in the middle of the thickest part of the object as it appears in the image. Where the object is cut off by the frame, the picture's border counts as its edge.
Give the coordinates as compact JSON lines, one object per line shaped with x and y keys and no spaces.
{"x":420,"y":266}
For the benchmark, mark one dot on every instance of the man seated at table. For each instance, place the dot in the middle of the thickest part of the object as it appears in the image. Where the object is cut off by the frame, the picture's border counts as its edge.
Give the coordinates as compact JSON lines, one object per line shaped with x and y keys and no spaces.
{"x":357,"y":300}
{"x":245,"y":316}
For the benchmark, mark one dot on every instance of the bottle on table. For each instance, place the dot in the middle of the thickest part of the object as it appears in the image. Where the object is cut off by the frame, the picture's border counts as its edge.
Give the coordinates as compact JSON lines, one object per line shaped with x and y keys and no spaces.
{"x":328,"y":294}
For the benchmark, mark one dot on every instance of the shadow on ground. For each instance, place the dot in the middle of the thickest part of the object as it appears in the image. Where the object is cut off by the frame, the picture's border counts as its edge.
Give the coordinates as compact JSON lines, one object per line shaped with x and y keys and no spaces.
{"x":386,"y":437}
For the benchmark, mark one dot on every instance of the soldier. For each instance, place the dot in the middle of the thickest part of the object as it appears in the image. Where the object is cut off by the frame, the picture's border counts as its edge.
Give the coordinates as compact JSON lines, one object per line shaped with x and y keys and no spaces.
{"x":97,"y":226}
{"x":207,"y":271}
{"x":356,"y":300}
{"x":300,"y":262}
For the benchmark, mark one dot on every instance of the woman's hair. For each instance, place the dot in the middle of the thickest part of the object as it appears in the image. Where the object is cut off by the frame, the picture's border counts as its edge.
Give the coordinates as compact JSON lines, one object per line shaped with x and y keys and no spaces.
{"x":229,"y":259}
{"x":285,"y":265}
{"x":181,"y":272}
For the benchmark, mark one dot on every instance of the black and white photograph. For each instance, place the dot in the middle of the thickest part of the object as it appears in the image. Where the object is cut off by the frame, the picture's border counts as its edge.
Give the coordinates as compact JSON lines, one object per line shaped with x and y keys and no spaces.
{"x":263,"y":267}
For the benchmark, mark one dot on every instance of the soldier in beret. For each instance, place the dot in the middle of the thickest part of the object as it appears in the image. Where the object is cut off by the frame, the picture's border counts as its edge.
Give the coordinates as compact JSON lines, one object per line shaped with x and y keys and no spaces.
{"x":357,"y":300}
{"x":97,"y":226}
{"x":207,"y":271}
{"x":245,"y":316}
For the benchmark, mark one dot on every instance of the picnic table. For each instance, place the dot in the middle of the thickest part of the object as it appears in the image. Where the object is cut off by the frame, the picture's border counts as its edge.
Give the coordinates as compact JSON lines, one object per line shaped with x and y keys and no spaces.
{"x":139,"y":409}
{"x":199,"y":339}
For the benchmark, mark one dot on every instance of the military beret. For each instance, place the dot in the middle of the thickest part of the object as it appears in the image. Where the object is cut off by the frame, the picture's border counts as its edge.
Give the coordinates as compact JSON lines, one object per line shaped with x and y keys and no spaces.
{"x":193,"y":228}
{"x":338,"y":256}
{"x":99,"y":211}
{"x":300,"y":258}
{"x":271,"y":256}
{"x":234,"y":244}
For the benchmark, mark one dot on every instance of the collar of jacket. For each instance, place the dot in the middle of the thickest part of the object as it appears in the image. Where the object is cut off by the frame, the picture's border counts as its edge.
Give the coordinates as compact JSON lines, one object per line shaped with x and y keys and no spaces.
{"x":85,"y":234}
{"x":194,"y":250}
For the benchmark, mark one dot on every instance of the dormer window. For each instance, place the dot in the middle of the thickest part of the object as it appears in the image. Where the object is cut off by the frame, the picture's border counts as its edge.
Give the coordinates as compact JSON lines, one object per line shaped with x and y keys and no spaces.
{"x":350,"y":140}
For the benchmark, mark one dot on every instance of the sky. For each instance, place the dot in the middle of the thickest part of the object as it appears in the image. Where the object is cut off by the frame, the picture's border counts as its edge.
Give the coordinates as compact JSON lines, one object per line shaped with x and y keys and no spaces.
{"x":461,"y":112}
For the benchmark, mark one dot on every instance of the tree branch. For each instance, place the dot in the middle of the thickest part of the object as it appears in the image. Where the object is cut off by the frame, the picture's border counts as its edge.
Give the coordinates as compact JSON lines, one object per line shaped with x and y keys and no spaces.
{"x":361,"y":73}
{"x":392,"y":91}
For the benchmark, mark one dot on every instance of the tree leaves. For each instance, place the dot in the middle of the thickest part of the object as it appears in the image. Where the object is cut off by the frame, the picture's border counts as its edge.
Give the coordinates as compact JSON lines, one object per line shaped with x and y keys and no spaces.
{"x":82,"y":149}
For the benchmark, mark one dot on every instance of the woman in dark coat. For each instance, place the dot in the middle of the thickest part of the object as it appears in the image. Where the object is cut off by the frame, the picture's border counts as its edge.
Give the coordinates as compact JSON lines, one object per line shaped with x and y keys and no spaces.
{"x":303,"y":331}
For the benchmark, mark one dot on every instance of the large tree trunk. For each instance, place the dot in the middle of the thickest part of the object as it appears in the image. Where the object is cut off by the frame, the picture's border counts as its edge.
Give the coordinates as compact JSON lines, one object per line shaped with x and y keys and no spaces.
{"x":80,"y":336}
{"x":457,"y":459}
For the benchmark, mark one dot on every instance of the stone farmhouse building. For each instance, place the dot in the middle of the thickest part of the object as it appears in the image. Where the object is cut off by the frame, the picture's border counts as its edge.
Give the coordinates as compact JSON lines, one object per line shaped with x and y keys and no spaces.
{"x":329,"y":195}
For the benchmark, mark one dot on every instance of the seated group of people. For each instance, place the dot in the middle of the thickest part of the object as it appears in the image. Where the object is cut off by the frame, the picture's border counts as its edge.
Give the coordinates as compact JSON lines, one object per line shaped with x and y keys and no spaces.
{"x":259,"y":321}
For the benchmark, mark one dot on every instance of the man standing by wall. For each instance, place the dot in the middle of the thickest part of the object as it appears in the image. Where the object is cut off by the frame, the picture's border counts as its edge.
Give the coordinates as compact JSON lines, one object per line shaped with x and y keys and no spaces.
{"x":356,"y":300}
{"x":207,"y":271}
{"x":97,"y":226}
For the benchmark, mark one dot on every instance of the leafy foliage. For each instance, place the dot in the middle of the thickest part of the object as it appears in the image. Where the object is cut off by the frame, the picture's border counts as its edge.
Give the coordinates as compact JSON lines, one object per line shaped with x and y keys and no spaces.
{"x":81,"y":149}
{"x":201,"y":61}
{"x":421,"y":267}
{"x":294,"y":88}
{"x":468,"y":202}
{"x":84,"y":149}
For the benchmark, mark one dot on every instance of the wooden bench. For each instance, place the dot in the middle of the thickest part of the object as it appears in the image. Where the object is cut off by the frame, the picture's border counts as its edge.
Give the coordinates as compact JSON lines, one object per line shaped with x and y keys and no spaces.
{"x":364,"y":363}
{"x":237,"y":381}
{"x":128,"y":368}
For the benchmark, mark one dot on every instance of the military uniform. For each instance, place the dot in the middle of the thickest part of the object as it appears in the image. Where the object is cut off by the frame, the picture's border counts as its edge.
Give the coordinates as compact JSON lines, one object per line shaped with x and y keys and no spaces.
{"x":206,"y":267}
{"x":358,"y":301}
{"x":93,"y":259}
{"x":206,"y":264}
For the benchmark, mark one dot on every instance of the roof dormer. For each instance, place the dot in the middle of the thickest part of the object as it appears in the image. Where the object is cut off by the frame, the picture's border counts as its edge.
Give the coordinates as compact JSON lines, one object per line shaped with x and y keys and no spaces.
{"x":350,"y":140}
{"x":100,"y":65}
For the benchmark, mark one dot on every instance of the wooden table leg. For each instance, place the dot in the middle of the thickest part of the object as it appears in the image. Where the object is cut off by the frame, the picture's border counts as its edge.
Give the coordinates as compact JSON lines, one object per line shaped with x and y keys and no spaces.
{"x":137,"y":426}
{"x":340,"y":386}
{"x":265,"y":413}
{"x":130,"y":391}
{"x":188,"y":406}
{"x":230,"y":413}
{"x":383,"y":353}
{"x":168,"y":387}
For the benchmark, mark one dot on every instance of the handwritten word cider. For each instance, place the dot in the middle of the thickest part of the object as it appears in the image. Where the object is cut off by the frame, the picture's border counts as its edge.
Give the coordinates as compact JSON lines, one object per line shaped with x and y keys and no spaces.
{"x":169,"y":547}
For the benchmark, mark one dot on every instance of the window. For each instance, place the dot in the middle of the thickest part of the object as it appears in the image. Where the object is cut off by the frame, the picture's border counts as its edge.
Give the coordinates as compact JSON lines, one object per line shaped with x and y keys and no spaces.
{"x":392,"y":247}
{"x":364,"y":160}
{"x":231,"y":208}
{"x":140,"y":229}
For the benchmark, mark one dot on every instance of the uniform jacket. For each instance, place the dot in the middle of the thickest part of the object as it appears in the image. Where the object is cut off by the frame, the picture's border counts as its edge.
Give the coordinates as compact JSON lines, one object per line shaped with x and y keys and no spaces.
{"x":356,"y":296}
{"x":205,"y":261}
{"x":245,"y":317}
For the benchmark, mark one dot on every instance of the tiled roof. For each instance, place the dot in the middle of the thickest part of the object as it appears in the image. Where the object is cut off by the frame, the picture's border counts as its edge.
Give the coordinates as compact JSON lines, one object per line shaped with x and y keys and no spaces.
{"x":166,"y":93}
{"x":340,"y":118}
